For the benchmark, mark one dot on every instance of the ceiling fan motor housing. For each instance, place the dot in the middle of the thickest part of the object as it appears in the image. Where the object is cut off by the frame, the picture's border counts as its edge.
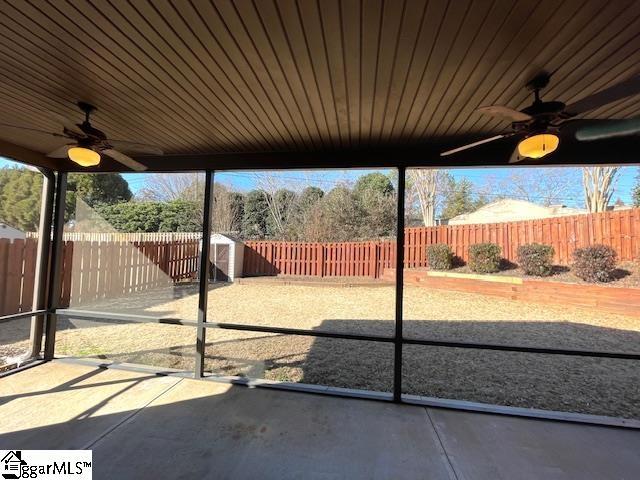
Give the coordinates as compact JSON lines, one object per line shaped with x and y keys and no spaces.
{"x":543,"y":116}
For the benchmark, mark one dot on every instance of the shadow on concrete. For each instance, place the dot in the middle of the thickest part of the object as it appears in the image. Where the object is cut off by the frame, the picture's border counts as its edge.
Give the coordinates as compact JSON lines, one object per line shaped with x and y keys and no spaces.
{"x":195,"y":430}
{"x":213,"y":431}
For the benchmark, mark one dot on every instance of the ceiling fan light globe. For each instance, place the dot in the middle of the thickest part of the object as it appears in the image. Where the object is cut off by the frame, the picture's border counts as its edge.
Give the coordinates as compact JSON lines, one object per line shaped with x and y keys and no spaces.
{"x":84,"y":157}
{"x":537,"y":146}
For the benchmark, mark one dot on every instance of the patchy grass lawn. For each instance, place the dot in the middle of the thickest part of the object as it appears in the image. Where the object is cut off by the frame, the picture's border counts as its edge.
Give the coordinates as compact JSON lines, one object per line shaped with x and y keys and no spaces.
{"x":589,"y":385}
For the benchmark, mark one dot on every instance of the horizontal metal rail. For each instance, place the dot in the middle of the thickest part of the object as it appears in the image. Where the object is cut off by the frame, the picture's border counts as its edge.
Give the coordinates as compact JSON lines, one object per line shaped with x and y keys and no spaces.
{"x":88,"y":315}
{"x":297,"y":331}
{"x":522,"y":349}
{"x":12,"y":369}
{"x":122,"y":317}
{"x":16,"y":316}
{"x":439,"y":403}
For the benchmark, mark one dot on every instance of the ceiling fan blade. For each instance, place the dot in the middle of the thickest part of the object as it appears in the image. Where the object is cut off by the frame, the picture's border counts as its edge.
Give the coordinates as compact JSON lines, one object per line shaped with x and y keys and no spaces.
{"x":601,"y":129}
{"x":472,"y":145}
{"x":33,"y":130}
{"x":124,"y":159}
{"x":60,"y":152}
{"x":504,"y":112}
{"x":133,"y":147}
{"x":619,"y":91}
{"x":67,"y":124}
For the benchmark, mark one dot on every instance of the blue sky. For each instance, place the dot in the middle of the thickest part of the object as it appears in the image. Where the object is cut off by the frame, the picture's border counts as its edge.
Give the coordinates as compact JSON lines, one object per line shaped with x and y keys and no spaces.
{"x":327,"y":179}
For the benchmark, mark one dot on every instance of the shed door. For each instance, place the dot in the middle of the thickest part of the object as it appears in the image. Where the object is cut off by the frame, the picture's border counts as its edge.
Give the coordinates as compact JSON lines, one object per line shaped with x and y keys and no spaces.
{"x":221,"y":264}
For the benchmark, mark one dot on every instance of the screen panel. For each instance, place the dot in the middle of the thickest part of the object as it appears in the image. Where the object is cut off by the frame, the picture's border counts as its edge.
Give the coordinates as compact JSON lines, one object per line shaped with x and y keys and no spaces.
{"x":525,"y":256}
{"x":333,"y":362}
{"x":305,"y":250}
{"x":132,"y":243}
{"x":598,"y":386}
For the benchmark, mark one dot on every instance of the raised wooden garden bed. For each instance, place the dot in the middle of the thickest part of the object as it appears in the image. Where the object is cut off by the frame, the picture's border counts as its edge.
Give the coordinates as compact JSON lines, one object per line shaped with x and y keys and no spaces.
{"x":624,"y":301}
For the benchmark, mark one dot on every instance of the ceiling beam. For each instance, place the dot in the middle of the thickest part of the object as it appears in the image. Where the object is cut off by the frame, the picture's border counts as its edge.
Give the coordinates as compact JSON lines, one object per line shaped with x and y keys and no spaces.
{"x":612,"y":151}
{"x":30,"y":157}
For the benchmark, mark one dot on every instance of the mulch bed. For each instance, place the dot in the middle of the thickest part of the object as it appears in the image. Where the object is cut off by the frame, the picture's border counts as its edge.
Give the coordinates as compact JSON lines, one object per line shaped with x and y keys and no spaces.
{"x":627,"y":275}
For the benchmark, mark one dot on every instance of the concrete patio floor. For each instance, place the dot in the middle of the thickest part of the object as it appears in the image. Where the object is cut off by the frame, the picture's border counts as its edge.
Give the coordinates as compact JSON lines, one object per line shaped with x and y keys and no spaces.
{"x":146,"y":426}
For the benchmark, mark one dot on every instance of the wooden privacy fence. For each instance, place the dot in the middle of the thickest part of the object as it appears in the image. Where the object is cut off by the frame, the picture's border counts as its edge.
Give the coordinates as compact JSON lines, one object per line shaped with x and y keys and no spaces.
{"x":619,"y":229}
{"x":92,"y":270}
{"x":96,"y":266}
{"x":315,"y":259}
{"x":17,"y":274}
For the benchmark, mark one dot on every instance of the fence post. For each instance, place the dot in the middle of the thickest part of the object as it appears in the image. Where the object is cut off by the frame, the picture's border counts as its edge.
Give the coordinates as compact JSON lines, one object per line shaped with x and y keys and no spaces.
{"x":320,"y":259}
{"x":166,"y":248}
{"x":373,"y":259}
{"x":270,"y":263}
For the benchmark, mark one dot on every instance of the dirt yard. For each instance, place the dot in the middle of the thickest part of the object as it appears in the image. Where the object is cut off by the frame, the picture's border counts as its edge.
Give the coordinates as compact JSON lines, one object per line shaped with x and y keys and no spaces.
{"x":581,"y":384}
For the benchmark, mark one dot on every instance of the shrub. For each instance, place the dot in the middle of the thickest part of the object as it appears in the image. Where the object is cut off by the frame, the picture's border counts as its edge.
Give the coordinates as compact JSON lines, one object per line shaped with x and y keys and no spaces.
{"x":440,"y":256}
{"x":484,"y":257}
{"x":596,"y":263}
{"x":535,"y":259}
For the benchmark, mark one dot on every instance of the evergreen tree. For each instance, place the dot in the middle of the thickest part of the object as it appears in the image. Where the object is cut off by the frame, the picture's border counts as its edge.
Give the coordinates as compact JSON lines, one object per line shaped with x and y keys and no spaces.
{"x":95,"y":190}
{"x":180,"y":216}
{"x":254,"y":218}
{"x":373,"y":184}
{"x":99,"y":189}
{"x":133,"y":216}
{"x":376,"y":200}
{"x":459,"y":199}
{"x":20,"y":198}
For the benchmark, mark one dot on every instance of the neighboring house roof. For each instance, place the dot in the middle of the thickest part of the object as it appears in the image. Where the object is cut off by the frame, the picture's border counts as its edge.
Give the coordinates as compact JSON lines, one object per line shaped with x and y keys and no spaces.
{"x":617,"y":208}
{"x":7,"y":231}
{"x":511,"y":210}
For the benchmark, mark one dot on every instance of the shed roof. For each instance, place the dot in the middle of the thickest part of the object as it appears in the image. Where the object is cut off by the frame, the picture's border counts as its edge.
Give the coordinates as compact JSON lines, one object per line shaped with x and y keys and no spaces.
{"x":225,"y":236}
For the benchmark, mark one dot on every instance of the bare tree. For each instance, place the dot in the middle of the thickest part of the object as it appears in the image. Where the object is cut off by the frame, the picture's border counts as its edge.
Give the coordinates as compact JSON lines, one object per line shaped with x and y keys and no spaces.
{"x":175,"y":186}
{"x":227,"y":213}
{"x":190,"y":187}
{"x":598,"y":184}
{"x":426,"y":185}
{"x":545,"y":186}
{"x":278,"y":202}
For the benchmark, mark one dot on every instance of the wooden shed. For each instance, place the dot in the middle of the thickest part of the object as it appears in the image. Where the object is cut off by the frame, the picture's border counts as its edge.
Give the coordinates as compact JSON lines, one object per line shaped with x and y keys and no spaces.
{"x":226,"y":256}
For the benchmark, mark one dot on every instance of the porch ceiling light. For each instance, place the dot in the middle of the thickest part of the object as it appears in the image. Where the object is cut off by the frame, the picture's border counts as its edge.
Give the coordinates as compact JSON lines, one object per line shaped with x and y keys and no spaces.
{"x":537,"y":146}
{"x":84,"y":157}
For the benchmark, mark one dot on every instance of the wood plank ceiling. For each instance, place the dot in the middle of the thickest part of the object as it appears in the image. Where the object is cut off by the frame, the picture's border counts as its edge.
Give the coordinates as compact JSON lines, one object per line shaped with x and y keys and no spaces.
{"x":201,"y":76}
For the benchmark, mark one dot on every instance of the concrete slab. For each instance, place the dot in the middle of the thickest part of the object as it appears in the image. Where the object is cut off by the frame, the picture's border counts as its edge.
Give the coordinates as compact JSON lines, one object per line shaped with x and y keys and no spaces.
{"x":63,"y":406}
{"x":209,"y":430}
{"x":484,"y":446}
{"x":144,"y":426}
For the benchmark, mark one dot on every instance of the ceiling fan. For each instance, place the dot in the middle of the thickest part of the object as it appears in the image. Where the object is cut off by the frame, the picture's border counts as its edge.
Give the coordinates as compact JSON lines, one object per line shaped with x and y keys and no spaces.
{"x":540,"y":125}
{"x":89,"y":144}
